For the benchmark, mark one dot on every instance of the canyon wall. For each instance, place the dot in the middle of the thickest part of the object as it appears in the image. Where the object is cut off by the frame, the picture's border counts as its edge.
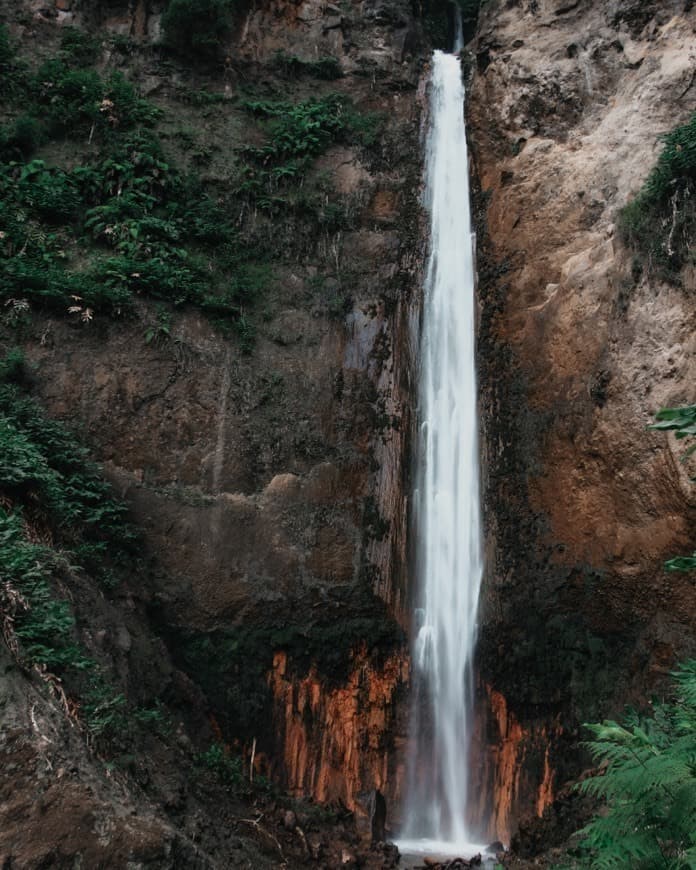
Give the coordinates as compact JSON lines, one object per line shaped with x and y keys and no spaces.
{"x":272,"y":487}
{"x":578,"y":350}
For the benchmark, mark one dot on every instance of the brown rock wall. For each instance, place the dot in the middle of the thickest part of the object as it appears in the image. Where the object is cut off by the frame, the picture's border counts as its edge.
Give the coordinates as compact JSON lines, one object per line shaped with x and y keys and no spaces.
{"x":583,"y":505}
{"x":335,"y":739}
{"x":271,"y":483}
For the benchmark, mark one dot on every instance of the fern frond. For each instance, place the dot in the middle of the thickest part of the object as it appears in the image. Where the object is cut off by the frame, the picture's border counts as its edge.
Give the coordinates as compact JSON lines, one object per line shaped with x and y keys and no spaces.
{"x":649,"y":785}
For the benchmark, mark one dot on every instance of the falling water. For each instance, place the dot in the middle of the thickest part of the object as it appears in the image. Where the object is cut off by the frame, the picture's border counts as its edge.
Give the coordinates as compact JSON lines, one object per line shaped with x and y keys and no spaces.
{"x":448,"y":516}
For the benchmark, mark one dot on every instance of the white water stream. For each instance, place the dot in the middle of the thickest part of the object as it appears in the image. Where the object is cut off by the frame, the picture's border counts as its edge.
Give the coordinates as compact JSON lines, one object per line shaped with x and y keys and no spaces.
{"x":447,"y":508}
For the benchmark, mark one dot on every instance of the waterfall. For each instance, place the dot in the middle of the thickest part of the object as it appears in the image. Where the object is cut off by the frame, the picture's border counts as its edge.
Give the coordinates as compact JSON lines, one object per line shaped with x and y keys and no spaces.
{"x":446,"y":503}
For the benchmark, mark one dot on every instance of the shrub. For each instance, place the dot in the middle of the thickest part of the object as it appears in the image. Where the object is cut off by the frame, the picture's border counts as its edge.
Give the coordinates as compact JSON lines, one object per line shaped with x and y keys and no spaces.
{"x":297,"y":133}
{"x":42,"y":464}
{"x":105,"y":711}
{"x":13,"y":367}
{"x":79,"y":100}
{"x":80,"y":48}
{"x":197,"y":27}
{"x":21,"y":138}
{"x":649,"y":786}
{"x":50,"y":193}
{"x":127,"y":108}
{"x":291,"y":66}
{"x":660,"y":223}
{"x":72,"y":97}
{"x":227,"y":768}
{"x":13,"y":78}
{"x":42,"y":622}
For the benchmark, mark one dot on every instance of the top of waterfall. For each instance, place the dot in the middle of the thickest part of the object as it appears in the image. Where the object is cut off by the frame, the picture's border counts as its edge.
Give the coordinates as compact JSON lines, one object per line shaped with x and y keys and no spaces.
{"x":458,"y":29}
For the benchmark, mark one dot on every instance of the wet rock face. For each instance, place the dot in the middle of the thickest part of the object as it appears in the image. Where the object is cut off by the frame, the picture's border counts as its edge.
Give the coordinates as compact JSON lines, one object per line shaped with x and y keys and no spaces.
{"x":272,"y":488}
{"x":577,"y":352}
{"x":352,"y":722}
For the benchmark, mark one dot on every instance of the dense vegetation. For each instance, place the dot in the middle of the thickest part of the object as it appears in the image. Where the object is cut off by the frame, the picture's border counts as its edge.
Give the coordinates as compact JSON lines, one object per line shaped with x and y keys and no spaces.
{"x":660,"y":223}
{"x":125,"y":223}
{"x":58,"y":519}
{"x":649,"y":786}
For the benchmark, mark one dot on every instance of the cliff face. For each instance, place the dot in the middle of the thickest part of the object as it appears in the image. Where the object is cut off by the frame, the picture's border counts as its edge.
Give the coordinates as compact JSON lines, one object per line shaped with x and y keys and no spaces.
{"x":270,"y":486}
{"x":578,"y":351}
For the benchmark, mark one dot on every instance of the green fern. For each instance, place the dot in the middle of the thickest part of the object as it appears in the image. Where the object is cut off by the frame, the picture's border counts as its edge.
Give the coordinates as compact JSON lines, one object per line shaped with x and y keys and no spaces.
{"x":649,"y":786}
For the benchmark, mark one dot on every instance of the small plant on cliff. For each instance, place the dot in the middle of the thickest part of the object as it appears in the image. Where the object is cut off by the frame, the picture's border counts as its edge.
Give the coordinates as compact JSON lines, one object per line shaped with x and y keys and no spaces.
{"x":228,"y":768}
{"x":293,"y":67}
{"x":46,"y":476}
{"x":12,"y":71}
{"x":79,"y":101}
{"x":30,"y":610}
{"x":297,"y":133}
{"x":681,"y":421}
{"x":81,"y":47}
{"x":649,"y":786}
{"x":197,"y":28}
{"x":660,"y":223}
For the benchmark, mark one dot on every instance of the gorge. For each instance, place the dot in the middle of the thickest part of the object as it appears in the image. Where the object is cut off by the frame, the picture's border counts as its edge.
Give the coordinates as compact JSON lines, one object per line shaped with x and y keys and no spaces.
{"x":214,"y":250}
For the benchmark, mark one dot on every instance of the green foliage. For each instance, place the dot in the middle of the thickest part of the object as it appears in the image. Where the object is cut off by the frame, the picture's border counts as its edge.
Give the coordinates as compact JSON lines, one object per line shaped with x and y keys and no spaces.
{"x":47,"y":474}
{"x":136,"y":207}
{"x":78,"y":101}
{"x":71,"y":97}
{"x":50,"y":194}
{"x":110,"y":720}
{"x":297,"y":133}
{"x":79,"y":47}
{"x":649,"y":786}
{"x":42,"y":622}
{"x":227,"y":768}
{"x":20,"y":138}
{"x":58,"y":515}
{"x":681,"y":421}
{"x":104,"y":711}
{"x":292,"y":67}
{"x":12,"y":367}
{"x":660,"y":223}
{"x":160,"y":331}
{"x":12,"y":71}
{"x":298,"y":129}
{"x":197,"y":28}
{"x":124,"y":223}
